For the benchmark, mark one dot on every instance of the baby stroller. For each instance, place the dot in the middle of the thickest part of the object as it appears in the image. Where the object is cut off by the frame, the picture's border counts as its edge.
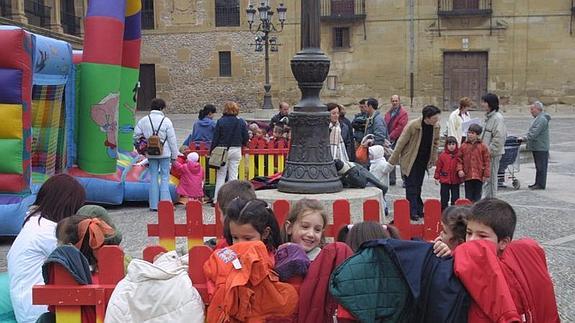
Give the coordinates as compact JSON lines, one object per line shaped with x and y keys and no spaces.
{"x":509,"y":163}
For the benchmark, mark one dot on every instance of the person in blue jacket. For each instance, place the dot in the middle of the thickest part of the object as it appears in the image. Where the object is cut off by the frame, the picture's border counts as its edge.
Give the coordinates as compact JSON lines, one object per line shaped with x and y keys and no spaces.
{"x":203,"y":129}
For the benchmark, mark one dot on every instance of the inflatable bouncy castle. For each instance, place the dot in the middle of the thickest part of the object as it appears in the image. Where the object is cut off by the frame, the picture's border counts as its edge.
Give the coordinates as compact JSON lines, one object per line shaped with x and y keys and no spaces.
{"x":71,"y":111}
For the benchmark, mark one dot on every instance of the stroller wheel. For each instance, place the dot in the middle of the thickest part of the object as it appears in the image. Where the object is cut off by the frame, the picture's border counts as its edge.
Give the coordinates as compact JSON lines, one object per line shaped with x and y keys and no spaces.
{"x":516,"y":184}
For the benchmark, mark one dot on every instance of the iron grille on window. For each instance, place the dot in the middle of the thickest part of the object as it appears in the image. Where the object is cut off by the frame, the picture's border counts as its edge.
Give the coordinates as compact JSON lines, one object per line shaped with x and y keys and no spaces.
{"x":70,"y":23}
{"x":5,"y":8}
{"x":147,"y":14}
{"x":225,"y":64}
{"x":341,"y":37}
{"x":464,"y":7}
{"x":37,"y":13}
{"x":227,"y":13}
{"x":339,"y":10}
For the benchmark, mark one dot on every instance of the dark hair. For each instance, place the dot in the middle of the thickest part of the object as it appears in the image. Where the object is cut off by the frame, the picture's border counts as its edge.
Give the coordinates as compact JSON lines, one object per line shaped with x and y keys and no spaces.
{"x":331,"y":106}
{"x":477,"y":129}
{"x":362,"y":101}
{"x":492,"y":101}
{"x":450,"y":140}
{"x":369,"y":230}
{"x":157,"y":104}
{"x":455,"y":218}
{"x":234,"y":189}
{"x":58,"y":198}
{"x":496,"y":214}
{"x":258,"y":214}
{"x":208,"y":108}
{"x":373,"y":102}
{"x":67,"y":232}
{"x":299,"y":208}
{"x":429,"y":111}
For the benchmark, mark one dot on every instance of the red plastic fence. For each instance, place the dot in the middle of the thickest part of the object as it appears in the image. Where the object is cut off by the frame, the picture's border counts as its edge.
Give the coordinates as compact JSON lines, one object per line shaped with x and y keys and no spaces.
{"x":195,"y":230}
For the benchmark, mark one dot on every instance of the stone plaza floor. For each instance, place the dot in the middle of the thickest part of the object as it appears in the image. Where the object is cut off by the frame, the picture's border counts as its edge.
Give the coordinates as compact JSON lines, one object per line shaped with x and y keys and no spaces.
{"x":547,"y":216}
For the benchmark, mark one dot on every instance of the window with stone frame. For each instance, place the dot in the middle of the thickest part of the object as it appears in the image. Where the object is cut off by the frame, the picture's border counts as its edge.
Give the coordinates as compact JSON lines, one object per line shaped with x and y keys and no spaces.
{"x":227,"y":13}
{"x":341,"y":37}
{"x":225,"y":62}
{"x":148,"y":14}
{"x":465,"y":4}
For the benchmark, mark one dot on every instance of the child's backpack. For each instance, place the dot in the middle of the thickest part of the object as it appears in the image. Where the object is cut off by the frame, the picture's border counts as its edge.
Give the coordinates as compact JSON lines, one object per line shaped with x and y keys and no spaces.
{"x":155,"y":145}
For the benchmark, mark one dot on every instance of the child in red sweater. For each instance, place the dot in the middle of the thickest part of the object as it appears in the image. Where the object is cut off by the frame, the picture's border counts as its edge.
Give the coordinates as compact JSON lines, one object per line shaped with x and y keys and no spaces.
{"x":446,"y":173}
{"x":473,"y":163}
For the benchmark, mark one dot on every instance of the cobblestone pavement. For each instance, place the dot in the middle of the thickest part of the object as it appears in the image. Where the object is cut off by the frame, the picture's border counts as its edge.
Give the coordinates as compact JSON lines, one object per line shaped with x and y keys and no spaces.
{"x":546,"y":216}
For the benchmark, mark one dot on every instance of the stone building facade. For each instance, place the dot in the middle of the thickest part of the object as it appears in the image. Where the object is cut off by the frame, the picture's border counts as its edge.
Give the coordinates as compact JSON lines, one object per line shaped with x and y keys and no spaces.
{"x":60,"y":19}
{"x":427,"y":51}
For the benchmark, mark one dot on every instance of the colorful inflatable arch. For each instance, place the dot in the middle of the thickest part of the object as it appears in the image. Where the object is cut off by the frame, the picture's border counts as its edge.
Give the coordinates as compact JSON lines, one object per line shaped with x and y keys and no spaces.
{"x":71,"y":111}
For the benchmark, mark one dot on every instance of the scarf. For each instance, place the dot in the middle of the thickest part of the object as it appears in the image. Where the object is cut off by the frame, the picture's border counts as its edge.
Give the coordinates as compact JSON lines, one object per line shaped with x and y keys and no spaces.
{"x":336,"y":144}
{"x":97,"y":230}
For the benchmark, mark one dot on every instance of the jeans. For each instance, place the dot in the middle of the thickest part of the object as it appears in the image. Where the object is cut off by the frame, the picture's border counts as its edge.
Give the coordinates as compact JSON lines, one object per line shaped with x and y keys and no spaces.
{"x":230,"y":170}
{"x":490,"y":185}
{"x":413,"y":184}
{"x":541,"y":159}
{"x":446,"y":190}
{"x":473,"y":189}
{"x":159,"y":191}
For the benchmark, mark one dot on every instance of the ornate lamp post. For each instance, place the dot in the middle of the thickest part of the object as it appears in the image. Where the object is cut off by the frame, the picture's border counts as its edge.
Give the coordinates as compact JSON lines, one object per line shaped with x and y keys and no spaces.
{"x":264,"y":41}
{"x":309,"y":165}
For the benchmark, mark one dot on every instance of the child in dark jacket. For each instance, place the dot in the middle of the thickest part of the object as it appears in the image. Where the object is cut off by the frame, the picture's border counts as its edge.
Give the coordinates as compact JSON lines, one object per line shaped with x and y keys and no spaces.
{"x":446,"y":173}
{"x":473,"y":163}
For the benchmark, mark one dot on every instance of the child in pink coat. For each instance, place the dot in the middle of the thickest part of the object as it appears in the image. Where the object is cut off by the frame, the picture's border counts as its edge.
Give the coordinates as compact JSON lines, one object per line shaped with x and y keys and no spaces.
{"x":192,"y":179}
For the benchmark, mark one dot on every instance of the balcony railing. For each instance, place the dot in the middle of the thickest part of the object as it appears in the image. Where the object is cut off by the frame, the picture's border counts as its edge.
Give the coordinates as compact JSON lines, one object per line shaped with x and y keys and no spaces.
{"x":37,"y":13}
{"x":5,"y":7}
{"x":458,"y":8}
{"x":342,"y":10}
{"x":70,"y":23}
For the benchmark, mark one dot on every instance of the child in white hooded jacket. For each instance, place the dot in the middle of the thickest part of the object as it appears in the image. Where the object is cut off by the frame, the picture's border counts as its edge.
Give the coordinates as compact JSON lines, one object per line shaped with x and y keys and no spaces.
{"x":378,"y":166}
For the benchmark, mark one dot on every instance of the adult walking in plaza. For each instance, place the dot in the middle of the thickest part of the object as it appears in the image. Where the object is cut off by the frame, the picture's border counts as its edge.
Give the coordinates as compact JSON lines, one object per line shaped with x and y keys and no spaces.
{"x":416,"y":151}
{"x":494,"y":134}
{"x":375,"y":124}
{"x":396,"y":119}
{"x":231,"y":131}
{"x":537,"y":140}
{"x":457,"y":118}
{"x":156,"y":123}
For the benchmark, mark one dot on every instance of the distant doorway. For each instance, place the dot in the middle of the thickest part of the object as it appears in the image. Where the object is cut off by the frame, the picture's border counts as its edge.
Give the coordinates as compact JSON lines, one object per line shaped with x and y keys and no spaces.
{"x":464,"y":74}
{"x":147,"y":90}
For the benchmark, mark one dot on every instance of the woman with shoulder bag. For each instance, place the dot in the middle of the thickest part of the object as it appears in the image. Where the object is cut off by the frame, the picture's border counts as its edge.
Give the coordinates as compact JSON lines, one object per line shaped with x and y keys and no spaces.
{"x":230,"y":135}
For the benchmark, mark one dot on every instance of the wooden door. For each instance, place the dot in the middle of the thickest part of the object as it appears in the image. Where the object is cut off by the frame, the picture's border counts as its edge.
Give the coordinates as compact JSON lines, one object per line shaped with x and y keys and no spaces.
{"x":147,"y":90}
{"x":464,"y":74}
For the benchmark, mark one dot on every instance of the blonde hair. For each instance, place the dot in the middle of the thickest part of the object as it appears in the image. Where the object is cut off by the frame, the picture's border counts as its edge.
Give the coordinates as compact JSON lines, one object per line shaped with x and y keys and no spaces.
{"x":231,"y":108}
{"x":300,"y":208}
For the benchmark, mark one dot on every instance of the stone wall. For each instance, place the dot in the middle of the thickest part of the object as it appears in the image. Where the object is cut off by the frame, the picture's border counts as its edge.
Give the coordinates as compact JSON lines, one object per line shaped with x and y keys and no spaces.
{"x":530,"y":54}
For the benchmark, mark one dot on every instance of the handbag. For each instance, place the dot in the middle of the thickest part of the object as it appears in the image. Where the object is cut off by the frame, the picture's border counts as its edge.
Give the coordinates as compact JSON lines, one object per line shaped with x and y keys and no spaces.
{"x":219,"y":155}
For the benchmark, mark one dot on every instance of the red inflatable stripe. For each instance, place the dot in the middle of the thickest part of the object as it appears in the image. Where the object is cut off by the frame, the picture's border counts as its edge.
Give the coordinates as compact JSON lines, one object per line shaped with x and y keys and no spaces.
{"x":131,"y":53}
{"x":103,"y":41}
{"x":12,"y":183}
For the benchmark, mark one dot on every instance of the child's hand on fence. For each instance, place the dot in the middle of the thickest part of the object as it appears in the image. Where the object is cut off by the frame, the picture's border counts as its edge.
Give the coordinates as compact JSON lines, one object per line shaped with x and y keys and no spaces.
{"x":461,"y":173}
{"x":440,"y":248}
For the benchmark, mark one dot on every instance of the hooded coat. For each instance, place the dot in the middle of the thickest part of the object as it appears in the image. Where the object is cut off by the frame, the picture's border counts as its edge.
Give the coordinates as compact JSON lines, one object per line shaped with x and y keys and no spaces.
{"x":446,"y":167}
{"x":203,"y":130}
{"x":174,"y":298}
{"x":474,"y":160}
{"x":191,"y":179}
{"x":378,"y":164}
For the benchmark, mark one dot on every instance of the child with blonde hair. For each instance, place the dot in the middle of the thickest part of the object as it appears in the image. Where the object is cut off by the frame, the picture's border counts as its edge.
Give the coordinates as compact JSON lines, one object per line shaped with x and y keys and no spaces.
{"x":305,"y":226}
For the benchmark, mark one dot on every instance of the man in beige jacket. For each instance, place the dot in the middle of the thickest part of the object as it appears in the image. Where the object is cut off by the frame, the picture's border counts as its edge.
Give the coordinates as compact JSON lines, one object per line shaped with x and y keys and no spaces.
{"x":416,"y":151}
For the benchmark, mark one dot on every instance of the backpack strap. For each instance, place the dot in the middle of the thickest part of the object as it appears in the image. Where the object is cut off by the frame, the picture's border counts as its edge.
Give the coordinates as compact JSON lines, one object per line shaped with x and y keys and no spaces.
{"x":156,"y":133}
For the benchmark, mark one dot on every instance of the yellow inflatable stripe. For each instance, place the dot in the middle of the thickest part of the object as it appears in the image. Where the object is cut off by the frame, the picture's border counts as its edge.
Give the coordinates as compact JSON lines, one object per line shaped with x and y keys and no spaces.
{"x":132,"y":7}
{"x":11,"y":121}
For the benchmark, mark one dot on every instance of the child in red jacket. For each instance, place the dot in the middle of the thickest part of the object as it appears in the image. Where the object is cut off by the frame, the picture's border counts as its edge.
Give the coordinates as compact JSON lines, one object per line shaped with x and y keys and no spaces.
{"x":473,"y":163}
{"x":507,"y":280}
{"x":446,"y":173}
